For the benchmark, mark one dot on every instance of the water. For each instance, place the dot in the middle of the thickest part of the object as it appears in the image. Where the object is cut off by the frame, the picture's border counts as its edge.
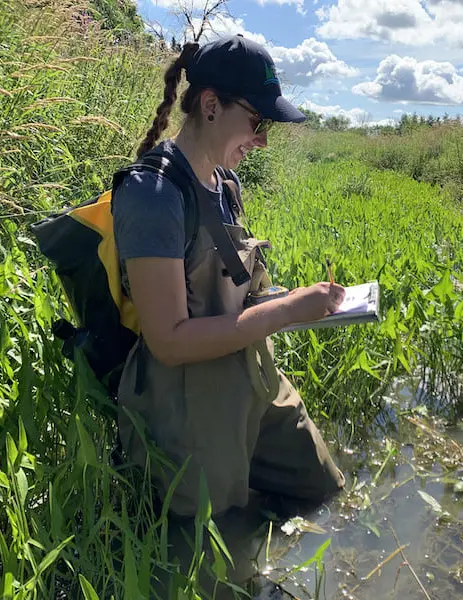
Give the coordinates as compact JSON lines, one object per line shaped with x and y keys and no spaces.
{"x":402,"y":489}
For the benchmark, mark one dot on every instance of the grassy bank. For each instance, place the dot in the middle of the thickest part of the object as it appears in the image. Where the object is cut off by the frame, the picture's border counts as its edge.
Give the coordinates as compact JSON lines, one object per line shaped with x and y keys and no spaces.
{"x":74,"y":100}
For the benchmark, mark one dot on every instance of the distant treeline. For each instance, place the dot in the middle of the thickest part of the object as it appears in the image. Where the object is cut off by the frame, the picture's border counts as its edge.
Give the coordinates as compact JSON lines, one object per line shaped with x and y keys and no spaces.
{"x":406,"y":124}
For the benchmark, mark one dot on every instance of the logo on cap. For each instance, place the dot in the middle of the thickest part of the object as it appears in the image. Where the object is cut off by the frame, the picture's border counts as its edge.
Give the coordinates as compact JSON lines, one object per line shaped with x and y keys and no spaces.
{"x":270,"y":75}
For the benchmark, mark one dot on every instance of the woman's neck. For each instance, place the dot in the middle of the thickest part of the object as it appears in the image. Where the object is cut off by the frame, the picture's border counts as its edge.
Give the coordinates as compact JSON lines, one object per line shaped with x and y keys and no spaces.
{"x":197,"y":151}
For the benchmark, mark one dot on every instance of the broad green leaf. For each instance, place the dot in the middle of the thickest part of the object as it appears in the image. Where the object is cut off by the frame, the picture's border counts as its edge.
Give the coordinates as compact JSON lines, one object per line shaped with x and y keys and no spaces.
{"x":4,"y":482}
{"x":218,"y":566}
{"x":205,"y":508}
{"x":444,"y":289}
{"x":87,"y":589}
{"x":317,"y":558}
{"x":87,"y":452}
{"x":388,"y":326}
{"x":130,"y":572}
{"x":363,"y":364}
{"x":144,"y":565}
{"x":53,"y":555}
{"x":215,"y":533}
{"x":22,"y":437}
{"x":11,"y":449}
{"x":458,"y":314}
{"x":56,"y":515}
{"x":8,"y":582}
{"x":23,"y":486}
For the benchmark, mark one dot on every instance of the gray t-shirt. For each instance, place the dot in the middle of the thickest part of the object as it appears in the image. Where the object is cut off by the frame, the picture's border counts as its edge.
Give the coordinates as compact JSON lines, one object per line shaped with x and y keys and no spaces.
{"x":149,"y":215}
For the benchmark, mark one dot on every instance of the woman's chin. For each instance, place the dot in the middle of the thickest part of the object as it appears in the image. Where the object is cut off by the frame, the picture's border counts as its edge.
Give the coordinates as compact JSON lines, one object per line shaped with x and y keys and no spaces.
{"x":233,"y":160}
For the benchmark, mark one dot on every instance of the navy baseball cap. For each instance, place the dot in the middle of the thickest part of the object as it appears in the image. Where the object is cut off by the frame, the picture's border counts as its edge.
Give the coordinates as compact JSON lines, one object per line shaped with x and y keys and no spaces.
{"x":239,"y":67}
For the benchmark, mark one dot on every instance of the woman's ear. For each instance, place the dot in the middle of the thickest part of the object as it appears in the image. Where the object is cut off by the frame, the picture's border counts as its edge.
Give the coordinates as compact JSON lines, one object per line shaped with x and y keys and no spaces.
{"x":209,"y":103}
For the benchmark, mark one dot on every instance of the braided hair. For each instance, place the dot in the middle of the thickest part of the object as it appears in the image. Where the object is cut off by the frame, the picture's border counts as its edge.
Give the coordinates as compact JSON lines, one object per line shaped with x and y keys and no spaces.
{"x":171,"y":79}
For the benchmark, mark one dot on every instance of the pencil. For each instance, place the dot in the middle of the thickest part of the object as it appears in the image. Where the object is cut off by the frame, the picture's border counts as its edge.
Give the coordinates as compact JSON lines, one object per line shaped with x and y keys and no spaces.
{"x":330,"y":271}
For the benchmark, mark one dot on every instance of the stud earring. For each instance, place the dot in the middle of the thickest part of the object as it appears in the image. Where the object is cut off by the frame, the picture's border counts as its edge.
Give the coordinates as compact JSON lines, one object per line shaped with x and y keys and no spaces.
{"x":210,"y":118}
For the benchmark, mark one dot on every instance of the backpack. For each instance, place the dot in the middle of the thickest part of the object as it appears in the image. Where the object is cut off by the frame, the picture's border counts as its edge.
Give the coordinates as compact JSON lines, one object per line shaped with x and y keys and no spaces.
{"x":80,"y":242}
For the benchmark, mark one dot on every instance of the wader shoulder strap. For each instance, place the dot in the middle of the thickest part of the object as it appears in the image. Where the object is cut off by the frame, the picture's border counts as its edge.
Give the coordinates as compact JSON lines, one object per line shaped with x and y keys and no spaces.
{"x":213,"y":222}
{"x":235,"y":202}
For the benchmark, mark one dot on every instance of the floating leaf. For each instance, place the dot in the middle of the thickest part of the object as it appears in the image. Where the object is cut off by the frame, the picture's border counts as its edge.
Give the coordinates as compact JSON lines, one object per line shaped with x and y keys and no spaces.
{"x":433,"y":503}
{"x":301,"y":525}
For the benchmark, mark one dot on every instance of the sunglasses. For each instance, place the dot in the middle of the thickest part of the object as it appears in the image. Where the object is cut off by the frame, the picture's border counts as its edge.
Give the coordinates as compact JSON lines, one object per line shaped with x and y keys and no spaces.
{"x":263,"y":125}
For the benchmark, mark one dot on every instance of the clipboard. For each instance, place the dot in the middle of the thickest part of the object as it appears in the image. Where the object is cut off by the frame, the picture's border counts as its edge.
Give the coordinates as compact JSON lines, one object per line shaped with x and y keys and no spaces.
{"x":360,"y":305}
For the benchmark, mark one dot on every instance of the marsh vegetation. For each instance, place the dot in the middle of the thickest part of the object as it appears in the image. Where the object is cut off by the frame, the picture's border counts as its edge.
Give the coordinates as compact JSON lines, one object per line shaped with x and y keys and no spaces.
{"x":75,"y":98}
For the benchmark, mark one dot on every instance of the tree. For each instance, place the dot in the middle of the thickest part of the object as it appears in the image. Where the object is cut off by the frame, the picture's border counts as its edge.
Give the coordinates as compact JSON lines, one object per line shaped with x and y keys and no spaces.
{"x":119,"y":15}
{"x":196,"y":20}
{"x":337,"y":123}
{"x":314,"y":119}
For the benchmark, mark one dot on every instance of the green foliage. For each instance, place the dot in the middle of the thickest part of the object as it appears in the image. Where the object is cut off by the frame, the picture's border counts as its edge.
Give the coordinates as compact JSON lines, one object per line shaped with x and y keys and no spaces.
{"x":71,"y":111}
{"x":117,"y":15}
{"x":258,"y":168}
{"x":313,"y":119}
{"x":74,"y":102}
{"x":337,"y":123}
{"x":375,"y":225}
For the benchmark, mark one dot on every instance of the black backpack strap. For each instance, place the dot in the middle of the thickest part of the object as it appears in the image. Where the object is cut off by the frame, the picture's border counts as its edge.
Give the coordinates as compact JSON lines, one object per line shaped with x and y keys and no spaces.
{"x":232,"y":192}
{"x":179,"y":177}
{"x":210,"y":214}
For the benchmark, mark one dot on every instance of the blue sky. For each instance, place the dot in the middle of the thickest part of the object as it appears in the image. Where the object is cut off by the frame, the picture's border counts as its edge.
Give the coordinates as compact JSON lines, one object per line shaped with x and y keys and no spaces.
{"x":371,"y":60}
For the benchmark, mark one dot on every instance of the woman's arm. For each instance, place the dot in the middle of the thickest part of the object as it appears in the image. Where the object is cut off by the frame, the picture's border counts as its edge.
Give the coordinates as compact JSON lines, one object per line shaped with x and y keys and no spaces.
{"x":158,"y":292}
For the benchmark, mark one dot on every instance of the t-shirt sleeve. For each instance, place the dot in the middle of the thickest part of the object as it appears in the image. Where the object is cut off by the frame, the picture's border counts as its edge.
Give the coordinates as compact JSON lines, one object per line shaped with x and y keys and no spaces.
{"x":149,"y":217}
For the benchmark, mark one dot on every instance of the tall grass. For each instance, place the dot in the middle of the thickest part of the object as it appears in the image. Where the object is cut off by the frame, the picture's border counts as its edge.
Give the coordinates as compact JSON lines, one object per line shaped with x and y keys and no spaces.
{"x":73,"y":104}
{"x":430,"y":154}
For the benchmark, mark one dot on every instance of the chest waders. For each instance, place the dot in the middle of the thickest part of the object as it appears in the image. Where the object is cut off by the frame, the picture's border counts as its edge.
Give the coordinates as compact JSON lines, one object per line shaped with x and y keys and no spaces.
{"x":236,"y":418}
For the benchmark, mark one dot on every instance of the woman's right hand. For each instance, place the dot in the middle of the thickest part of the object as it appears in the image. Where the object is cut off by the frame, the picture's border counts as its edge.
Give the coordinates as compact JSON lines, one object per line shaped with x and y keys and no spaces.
{"x":312,"y":303}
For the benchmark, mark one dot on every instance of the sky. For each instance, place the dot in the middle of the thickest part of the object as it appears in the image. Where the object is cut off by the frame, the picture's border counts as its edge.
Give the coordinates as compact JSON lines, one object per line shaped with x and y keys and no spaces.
{"x":369,"y":60}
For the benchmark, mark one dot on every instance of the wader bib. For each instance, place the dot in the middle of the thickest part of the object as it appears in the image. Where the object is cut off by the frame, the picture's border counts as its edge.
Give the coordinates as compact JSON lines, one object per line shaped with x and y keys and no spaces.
{"x":237,"y":418}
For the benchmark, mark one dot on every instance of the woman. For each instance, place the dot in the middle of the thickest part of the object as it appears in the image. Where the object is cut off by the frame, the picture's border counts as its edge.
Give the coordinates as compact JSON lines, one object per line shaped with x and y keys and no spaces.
{"x":200,"y":348}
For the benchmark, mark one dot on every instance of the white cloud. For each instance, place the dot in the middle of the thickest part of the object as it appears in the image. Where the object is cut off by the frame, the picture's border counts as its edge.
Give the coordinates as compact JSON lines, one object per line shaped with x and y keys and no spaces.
{"x":413,"y":22}
{"x":309,"y":61}
{"x":356,"y":116}
{"x":298,"y":3}
{"x":225,"y":25}
{"x":382,"y":123}
{"x":404,"y":79}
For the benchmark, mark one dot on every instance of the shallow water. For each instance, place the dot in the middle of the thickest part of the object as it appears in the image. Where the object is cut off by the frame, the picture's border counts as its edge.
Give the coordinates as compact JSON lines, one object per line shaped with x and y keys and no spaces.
{"x":381,"y":510}
{"x":368,"y":523}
